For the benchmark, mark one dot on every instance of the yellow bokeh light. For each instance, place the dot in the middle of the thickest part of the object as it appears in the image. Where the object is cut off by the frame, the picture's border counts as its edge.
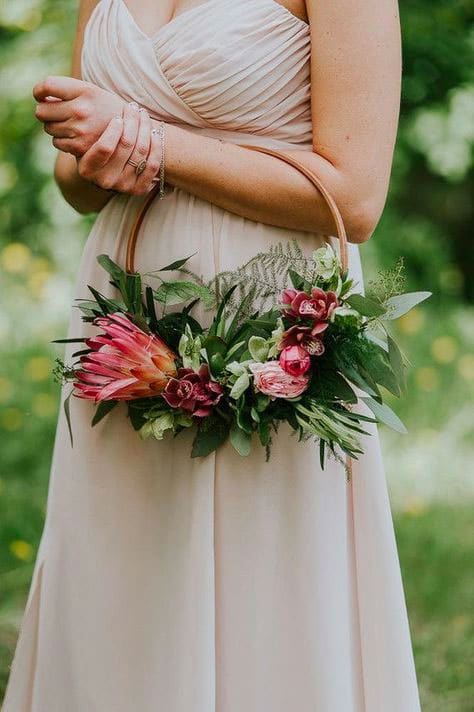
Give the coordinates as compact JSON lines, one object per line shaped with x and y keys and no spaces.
{"x":427,"y":378}
{"x":38,"y":368}
{"x":466,"y":366}
{"x":6,"y":389}
{"x":444,"y":349}
{"x":21,"y":549}
{"x":8,"y":176}
{"x":43,"y":405}
{"x":37,"y":281}
{"x":415,"y":507}
{"x":15,"y":257}
{"x":11,"y":419}
{"x":41,"y":264}
{"x":411,"y":322}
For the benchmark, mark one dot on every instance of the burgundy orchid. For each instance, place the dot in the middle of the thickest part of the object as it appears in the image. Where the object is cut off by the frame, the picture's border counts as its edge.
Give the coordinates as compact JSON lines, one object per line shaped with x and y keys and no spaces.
{"x":193,"y":391}
{"x":305,"y":336}
{"x":318,"y":305}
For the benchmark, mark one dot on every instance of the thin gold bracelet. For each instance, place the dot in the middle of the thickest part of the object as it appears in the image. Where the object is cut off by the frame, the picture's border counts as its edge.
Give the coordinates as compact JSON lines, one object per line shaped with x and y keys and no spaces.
{"x":161,"y":178}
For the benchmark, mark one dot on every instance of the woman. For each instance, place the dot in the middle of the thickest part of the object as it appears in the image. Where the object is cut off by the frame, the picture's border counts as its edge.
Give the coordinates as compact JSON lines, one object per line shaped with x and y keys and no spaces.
{"x":218,"y":584}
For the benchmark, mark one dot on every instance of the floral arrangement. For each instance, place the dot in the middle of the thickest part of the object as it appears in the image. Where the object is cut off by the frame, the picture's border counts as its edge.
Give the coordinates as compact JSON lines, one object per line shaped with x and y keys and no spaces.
{"x":289,"y":341}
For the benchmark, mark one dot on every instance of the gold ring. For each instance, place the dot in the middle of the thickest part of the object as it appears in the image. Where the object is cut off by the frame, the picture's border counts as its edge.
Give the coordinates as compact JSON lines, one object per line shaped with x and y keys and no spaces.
{"x":139,"y":167}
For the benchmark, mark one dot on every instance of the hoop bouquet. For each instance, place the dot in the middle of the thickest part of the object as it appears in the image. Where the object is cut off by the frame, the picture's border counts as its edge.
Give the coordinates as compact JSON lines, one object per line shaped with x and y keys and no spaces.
{"x":291,"y":341}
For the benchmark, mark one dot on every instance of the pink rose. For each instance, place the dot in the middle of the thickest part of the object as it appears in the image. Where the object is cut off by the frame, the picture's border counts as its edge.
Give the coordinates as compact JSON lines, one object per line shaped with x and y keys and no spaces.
{"x":295,"y":360}
{"x":193,"y":391}
{"x":318,"y":305}
{"x":271,"y":379}
{"x":305,"y":336}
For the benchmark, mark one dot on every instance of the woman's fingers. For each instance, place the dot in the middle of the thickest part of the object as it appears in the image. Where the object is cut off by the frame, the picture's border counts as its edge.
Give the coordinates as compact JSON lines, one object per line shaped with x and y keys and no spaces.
{"x":118,"y":166}
{"x":60,"y":87}
{"x":141,"y":155}
{"x":57,"y":110}
{"x":97,"y":157}
{"x":144,"y":183}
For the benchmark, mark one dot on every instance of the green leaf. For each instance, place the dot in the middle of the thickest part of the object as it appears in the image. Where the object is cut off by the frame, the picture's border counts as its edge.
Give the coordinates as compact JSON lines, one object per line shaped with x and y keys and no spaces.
{"x":385,"y":415}
{"x":217,"y":327}
{"x":233,"y":326}
{"x":108,"y":306}
{"x":322,"y":445}
{"x":258,"y":347}
{"x":211,"y":433}
{"x":150,"y":305}
{"x":296,"y":280}
{"x":179,"y":291}
{"x":402,"y":303}
{"x":396,"y":361}
{"x":214,"y":345}
{"x":111,"y":267}
{"x":217,"y":364}
{"x":241,"y":441}
{"x":365,"y":306}
{"x":67,"y":412}
{"x":240,"y":385}
{"x":264,"y":432}
{"x":175,"y":265}
{"x":68,"y":341}
{"x":329,"y":385}
{"x":103,"y":408}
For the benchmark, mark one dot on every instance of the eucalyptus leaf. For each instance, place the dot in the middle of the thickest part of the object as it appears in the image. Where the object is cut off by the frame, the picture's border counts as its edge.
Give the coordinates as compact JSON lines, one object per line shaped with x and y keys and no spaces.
{"x":258,"y":347}
{"x":402,"y":303}
{"x":385,"y":415}
{"x":241,"y":441}
{"x":365,"y":306}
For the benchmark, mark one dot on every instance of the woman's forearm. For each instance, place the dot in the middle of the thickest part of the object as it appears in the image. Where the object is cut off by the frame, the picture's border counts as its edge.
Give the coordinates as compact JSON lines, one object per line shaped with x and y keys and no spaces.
{"x":261,"y":187}
{"x":81,"y":194}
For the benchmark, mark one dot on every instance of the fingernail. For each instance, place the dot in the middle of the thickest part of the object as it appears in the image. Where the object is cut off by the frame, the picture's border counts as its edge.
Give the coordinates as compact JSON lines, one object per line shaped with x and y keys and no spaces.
{"x":133,"y":105}
{"x":118,"y":118}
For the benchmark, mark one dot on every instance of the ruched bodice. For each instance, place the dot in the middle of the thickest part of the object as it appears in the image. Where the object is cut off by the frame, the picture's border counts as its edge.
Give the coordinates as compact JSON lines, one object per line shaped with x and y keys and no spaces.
{"x":238,"y":67}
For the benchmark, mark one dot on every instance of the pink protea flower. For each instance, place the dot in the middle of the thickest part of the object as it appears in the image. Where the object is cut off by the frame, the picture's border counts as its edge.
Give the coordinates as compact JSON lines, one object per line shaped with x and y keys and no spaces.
{"x":271,"y":379}
{"x":305,"y":336}
{"x":193,"y":391}
{"x":125,"y":362}
{"x":318,"y":305}
{"x":295,"y":360}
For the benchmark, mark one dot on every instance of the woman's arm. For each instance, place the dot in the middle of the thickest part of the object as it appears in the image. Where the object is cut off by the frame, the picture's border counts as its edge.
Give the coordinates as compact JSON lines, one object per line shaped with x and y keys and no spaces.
{"x":84,"y":196}
{"x":355,"y":95}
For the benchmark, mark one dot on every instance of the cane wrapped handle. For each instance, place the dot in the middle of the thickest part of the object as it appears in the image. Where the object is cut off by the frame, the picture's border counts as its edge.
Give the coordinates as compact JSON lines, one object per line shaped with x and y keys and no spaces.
{"x":315,"y":180}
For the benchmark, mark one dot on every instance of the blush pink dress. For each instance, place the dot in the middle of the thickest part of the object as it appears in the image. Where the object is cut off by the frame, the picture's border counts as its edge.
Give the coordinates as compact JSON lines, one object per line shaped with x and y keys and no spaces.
{"x":164,"y":583}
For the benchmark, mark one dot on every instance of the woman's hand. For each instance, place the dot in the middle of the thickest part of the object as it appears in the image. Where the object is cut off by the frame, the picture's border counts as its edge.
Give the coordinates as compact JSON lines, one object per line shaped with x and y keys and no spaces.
{"x":74,"y":112}
{"x":126,"y":138}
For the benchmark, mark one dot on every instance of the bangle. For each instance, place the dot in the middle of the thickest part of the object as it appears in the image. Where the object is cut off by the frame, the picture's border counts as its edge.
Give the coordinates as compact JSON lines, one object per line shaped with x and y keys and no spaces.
{"x":161,"y":176}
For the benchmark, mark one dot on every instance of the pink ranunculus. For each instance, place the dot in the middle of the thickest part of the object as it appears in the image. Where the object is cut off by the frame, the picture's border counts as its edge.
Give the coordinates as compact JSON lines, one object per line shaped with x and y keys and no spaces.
{"x":271,"y":379}
{"x":193,"y":391}
{"x":295,"y":360}
{"x":318,"y":305}
{"x":125,"y":362}
{"x":305,"y":336}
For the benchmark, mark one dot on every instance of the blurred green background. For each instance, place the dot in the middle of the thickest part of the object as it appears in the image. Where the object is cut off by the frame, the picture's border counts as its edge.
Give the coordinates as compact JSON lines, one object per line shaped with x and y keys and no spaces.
{"x":428,"y":220}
